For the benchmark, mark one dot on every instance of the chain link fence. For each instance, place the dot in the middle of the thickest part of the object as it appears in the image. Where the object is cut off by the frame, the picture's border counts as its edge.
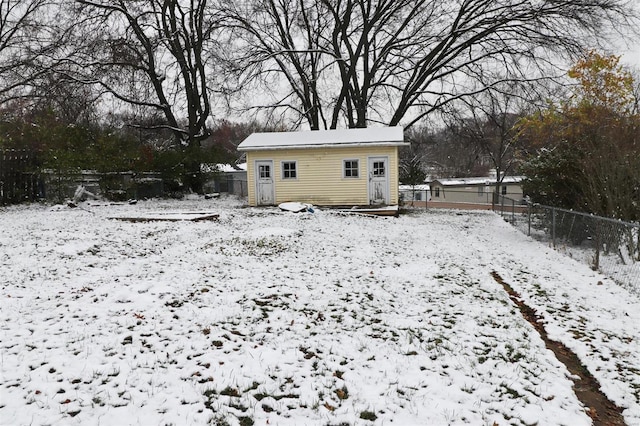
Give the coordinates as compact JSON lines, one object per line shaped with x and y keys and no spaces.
{"x":606,"y":245}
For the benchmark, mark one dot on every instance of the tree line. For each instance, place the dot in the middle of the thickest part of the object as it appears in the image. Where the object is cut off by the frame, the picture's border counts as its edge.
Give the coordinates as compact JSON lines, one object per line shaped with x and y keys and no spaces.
{"x":580,"y":151}
{"x":161,"y":75}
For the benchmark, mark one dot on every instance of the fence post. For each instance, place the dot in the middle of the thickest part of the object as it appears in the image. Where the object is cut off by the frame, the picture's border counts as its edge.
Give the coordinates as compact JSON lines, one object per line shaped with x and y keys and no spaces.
{"x":606,"y":239}
{"x":513,"y":212}
{"x":596,"y":257}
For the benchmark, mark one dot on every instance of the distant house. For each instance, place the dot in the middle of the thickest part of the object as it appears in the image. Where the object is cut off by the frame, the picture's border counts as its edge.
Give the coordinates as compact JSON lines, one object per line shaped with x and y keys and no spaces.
{"x":409,"y":193}
{"x":351,"y":167}
{"x":477,"y":190}
{"x":230,"y":178}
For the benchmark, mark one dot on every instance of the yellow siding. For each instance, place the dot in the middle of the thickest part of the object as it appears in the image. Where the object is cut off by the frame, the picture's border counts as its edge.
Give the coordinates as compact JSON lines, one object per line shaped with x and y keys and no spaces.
{"x":251,"y":180}
{"x":319,"y":175}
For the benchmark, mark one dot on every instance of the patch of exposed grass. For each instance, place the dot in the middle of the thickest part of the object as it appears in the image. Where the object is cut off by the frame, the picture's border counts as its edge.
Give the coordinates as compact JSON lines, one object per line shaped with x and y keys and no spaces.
{"x":229,"y":391}
{"x":260,"y":396}
{"x":209,"y":394}
{"x":368,"y":415}
{"x":342,"y":393}
{"x":246,"y":421}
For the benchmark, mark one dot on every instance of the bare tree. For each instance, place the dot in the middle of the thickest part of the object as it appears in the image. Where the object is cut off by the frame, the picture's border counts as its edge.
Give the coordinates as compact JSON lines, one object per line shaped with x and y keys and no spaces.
{"x":444,"y":153}
{"x":353,"y":63}
{"x":276,"y":40}
{"x":149,"y":55}
{"x":29,"y":34}
{"x":488,"y":124}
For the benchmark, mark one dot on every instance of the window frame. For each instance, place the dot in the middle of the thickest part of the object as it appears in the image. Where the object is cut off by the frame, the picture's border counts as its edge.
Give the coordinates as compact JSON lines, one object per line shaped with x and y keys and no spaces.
{"x":283,"y":171}
{"x":376,"y":169}
{"x":261,"y":171}
{"x":351,"y":168}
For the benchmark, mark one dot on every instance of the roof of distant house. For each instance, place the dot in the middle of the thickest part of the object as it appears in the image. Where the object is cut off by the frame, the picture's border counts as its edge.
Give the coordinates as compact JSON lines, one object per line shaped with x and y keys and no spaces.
{"x":381,"y":136}
{"x":422,"y":187}
{"x":223,"y":167}
{"x":476,"y":181}
{"x":229,"y":168}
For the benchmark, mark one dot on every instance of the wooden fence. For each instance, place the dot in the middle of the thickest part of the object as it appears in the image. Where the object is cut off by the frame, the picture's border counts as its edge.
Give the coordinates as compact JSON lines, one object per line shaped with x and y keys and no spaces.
{"x":18,"y":177}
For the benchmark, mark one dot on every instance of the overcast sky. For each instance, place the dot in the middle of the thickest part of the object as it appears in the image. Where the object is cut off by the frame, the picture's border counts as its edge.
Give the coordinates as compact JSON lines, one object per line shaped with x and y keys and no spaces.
{"x":630,"y":47}
{"x":632,"y":56}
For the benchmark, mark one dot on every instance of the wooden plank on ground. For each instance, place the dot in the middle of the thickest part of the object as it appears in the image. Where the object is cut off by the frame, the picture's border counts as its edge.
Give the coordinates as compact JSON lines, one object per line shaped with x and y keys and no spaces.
{"x":169,"y":217}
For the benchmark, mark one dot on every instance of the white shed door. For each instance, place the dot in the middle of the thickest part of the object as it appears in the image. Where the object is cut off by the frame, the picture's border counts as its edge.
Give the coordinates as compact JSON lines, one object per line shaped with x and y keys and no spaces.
{"x":264,"y":183}
{"x":378,"y":180}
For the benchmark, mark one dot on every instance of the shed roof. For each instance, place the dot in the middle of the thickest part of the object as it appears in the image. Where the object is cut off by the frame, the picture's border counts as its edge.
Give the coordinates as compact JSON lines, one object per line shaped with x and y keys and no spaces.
{"x":380,"y":136}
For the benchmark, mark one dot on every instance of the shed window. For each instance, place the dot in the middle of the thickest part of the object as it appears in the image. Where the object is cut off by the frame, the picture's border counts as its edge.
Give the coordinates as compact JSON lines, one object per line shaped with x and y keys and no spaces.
{"x":264,"y":170}
{"x":289,"y":170}
{"x":351,"y":168}
{"x":437,"y":193}
{"x":480,"y":191}
{"x":504,"y":189}
{"x":378,"y":169}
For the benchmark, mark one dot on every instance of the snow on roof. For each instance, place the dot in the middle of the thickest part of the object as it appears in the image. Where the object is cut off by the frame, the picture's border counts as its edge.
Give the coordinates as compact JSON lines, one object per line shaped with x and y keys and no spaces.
{"x":223,"y":167}
{"x":423,"y":187}
{"x":476,"y":180}
{"x":228,"y":168}
{"x":385,"y":136}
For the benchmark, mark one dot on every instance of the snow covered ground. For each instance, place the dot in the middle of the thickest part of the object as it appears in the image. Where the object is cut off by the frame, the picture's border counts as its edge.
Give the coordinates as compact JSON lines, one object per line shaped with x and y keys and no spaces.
{"x":270,"y":317}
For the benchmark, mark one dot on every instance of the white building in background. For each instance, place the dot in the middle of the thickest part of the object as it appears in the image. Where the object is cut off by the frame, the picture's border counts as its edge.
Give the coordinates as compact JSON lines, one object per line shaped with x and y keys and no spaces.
{"x":409,"y":193}
{"x":477,"y":190}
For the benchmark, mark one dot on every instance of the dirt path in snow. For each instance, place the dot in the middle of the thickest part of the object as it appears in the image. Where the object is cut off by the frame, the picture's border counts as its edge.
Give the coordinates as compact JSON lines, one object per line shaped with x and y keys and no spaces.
{"x":600,"y":408}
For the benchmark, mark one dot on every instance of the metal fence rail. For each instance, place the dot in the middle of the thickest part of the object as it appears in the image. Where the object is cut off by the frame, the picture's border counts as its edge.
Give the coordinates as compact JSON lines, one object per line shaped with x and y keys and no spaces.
{"x":606,"y":245}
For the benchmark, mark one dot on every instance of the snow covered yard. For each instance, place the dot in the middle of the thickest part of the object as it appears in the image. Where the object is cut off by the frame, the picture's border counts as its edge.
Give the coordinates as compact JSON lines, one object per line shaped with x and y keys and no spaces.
{"x":269,"y":317}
